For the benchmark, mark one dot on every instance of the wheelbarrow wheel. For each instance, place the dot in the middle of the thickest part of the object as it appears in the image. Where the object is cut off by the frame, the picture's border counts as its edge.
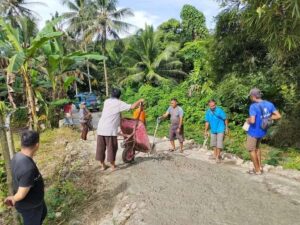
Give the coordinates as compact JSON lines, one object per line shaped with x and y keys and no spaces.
{"x":128,"y":154}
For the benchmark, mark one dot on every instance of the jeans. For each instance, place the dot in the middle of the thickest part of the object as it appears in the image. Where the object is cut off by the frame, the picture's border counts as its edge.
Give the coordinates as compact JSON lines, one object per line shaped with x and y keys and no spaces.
{"x":68,"y":121}
{"x":34,"y":216}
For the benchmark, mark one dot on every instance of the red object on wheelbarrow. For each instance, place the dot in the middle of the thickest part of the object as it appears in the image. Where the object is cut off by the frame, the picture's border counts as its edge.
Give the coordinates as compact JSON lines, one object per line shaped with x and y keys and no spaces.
{"x":135,"y":139}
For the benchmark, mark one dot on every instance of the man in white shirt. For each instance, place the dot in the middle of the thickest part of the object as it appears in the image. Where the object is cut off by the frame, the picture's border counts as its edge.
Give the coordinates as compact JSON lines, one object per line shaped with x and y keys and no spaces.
{"x":107,"y":131}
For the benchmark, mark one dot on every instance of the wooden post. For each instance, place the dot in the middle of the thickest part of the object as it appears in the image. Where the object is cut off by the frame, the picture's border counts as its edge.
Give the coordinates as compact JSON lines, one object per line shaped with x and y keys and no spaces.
{"x":6,"y":156}
{"x":9,"y":136}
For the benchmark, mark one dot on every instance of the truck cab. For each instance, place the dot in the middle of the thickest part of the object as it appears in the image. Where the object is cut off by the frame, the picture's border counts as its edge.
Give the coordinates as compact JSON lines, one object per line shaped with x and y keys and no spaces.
{"x":91,"y":100}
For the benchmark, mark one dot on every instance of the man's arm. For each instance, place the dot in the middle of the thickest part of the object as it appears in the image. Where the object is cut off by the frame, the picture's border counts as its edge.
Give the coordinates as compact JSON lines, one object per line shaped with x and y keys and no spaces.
{"x":252,"y":114}
{"x":165,"y":115}
{"x":276,"y":115}
{"x":226,"y":124}
{"x":180,"y":123}
{"x":20,"y":195}
{"x":136,"y":104}
{"x":206,"y":128}
{"x":251,"y":120}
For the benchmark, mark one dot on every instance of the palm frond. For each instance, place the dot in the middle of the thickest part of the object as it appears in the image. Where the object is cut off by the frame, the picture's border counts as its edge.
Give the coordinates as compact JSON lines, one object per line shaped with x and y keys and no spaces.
{"x":135,"y":78}
{"x":166,"y":54}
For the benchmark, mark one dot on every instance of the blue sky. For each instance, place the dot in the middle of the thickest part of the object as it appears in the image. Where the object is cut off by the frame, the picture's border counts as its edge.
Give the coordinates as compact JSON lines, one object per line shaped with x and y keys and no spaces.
{"x":146,"y":11}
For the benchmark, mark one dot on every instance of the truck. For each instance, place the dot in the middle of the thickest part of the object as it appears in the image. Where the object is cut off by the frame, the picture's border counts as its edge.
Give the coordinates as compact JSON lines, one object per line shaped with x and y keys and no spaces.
{"x":92,"y":100}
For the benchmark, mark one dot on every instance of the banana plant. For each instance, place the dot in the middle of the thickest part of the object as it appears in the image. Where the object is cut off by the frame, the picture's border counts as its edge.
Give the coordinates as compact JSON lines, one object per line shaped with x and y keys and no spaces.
{"x":22,"y":59}
{"x":61,"y":69}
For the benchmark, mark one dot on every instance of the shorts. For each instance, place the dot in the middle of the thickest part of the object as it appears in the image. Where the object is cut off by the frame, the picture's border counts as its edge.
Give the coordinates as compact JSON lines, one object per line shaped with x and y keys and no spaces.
{"x":173,"y":134}
{"x":34,"y":216}
{"x":252,"y":143}
{"x":109,"y":143}
{"x":217,"y":140}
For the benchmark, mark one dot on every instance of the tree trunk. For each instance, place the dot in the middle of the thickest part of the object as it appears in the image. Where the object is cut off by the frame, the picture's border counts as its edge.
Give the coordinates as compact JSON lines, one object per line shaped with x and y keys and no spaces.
{"x":10,"y":80}
{"x":6,"y":155}
{"x":30,"y":100}
{"x":89,"y":78}
{"x":103,"y":45}
{"x":9,"y":136}
{"x":105,"y":77}
{"x":88,"y":69}
{"x":76,"y":88}
{"x":11,"y":144}
{"x":9,"y":83}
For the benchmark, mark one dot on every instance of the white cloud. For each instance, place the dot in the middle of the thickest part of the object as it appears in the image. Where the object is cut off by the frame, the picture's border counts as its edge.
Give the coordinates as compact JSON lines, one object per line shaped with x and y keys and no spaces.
{"x":49,"y":8}
{"x":147,"y":11}
{"x":46,"y":11}
{"x":139,"y":20}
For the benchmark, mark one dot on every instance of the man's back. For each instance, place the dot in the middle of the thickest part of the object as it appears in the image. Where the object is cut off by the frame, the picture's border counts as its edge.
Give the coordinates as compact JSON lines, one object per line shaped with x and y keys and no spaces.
{"x":263,"y":108}
{"x":26,"y":174}
{"x":110,"y":118}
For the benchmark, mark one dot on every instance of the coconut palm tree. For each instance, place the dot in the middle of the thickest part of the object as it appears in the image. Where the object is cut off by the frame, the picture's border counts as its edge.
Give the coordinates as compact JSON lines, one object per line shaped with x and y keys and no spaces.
{"x":150,"y":65}
{"x":14,"y":10}
{"x":76,"y":19}
{"x":106,"y":21}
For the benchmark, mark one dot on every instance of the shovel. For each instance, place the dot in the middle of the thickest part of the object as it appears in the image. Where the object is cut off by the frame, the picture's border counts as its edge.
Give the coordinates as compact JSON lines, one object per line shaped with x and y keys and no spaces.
{"x":155,"y":132}
{"x":204,"y":145}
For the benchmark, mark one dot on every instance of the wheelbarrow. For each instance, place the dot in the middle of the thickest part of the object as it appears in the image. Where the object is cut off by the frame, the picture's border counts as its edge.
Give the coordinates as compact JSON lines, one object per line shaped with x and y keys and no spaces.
{"x":136,"y":138}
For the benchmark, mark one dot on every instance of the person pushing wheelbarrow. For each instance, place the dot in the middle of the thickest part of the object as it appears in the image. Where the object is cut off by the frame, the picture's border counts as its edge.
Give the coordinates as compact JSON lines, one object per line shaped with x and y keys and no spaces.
{"x":107,"y":130}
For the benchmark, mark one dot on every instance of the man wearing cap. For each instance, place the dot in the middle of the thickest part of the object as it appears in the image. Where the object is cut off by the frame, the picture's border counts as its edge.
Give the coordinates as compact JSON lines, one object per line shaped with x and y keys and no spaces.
{"x":259,"y":112}
{"x":107,"y":131}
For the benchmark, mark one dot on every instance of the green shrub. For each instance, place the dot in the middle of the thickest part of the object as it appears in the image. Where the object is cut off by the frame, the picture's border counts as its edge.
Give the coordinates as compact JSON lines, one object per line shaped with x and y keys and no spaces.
{"x":274,"y":157}
{"x":19,"y":118}
{"x":292,"y":163}
{"x":3,"y":187}
{"x":55,"y":111}
{"x":62,"y":197}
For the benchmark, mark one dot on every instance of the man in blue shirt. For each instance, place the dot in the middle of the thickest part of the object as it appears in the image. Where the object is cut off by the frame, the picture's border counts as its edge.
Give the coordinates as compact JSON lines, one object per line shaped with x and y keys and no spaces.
{"x":216,"y":120}
{"x":259,"y":112}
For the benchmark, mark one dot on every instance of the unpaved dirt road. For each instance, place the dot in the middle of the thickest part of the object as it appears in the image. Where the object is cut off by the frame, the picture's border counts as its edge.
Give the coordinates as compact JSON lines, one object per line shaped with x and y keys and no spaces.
{"x":186,"y":189}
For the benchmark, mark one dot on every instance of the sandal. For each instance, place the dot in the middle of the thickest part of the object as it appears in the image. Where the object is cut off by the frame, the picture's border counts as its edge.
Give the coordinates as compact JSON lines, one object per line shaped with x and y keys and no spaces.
{"x":261,"y":169}
{"x":171,"y":150}
{"x":253,"y":172}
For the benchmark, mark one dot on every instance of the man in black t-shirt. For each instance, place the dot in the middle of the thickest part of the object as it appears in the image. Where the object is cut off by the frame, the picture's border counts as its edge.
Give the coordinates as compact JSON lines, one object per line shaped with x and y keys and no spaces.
{"x":28,"y":182}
